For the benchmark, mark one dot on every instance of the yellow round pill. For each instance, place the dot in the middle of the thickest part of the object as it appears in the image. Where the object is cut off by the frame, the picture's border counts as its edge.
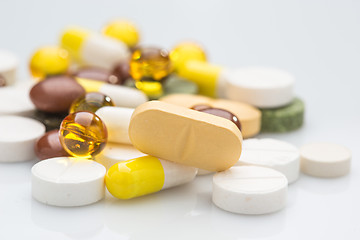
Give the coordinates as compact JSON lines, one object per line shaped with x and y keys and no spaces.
{"x":185,"y":52}
{"x":50,"y":60}
{"x":124,"y":31}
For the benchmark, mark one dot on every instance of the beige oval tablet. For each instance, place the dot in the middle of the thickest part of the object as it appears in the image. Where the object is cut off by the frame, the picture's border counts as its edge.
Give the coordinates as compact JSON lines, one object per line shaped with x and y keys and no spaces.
{"x":249,"y":116}
{"x":185,"y":136}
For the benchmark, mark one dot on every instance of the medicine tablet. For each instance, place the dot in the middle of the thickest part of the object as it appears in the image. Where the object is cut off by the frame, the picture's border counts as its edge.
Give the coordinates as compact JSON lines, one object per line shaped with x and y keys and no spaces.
{"x":15,"y":100}
{"x":185,"y":136}
{"x":283,"y":119}
{"x":325,"y":160}
{"x":68,"y":182}
{"x":279,"y":155}
{"x":250,"y":190}
{"x":8,"y":66}
{"x":249,"y":116}
{"x":114,"y":153}
{"x":261,"y":87}
{"x":17,"y":138}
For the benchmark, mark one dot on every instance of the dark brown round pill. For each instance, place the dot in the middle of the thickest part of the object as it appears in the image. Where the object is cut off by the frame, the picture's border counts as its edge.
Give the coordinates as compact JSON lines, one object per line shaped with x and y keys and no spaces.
{"x":55,"y":94}
{"x":121,"y":71}
{"x":49,"y":146}
{"x":222,"y":113}
{"x":98,"y":74}
{"x":2,"y":81}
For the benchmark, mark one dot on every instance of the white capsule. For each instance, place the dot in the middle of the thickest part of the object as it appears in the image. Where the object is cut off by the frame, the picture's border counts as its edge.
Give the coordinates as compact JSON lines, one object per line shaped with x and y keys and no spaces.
{"x":8,"y":67}
{"x":325,"y":160}
{"x":260,"y":87}
{"x":120,"y":95}
{"x":279,"y":155}
{"x":17,"y":138}
{"x":94,"y":49}
{"x":117,"y":120}
{"x":250,"y":190}
{"x":114,"y":153}
{"x":68,"y":182}
{"x":145,"y":175}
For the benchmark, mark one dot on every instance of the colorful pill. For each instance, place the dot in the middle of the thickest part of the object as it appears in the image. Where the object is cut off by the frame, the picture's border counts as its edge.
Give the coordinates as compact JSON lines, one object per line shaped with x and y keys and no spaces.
{"x":90,"y":102}
{"x":185,"y":52}
{"x":47,"y":61}
{"x":121,"y":96}
{"x":94,"y":49}
{"x":83,"y":134}
{"x":185,"y":136}
{"x":124,"y":31}
{"x":145,"y":175}
{"x":49,"y":146}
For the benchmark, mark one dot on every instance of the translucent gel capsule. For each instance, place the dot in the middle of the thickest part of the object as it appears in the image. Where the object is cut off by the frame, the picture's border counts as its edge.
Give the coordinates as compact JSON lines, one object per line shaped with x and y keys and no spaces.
{"x":91,"y":102}
{"x":49,"y":61}
{"x":122,"y":30}
{"x":150,"y":63}
{"x":83,"y":134}
{"x":184,"y":52}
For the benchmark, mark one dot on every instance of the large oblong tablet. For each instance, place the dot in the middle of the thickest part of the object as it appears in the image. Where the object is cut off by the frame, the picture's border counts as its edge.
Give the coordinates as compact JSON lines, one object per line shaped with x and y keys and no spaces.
{"x":18,"y":136}
{"x":185,"y":136}
{"x":68,"y":182}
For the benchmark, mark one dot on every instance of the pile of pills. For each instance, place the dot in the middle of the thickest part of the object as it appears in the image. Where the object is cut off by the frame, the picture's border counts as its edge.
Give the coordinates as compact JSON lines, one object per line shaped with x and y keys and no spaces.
{"x":104,"y":112}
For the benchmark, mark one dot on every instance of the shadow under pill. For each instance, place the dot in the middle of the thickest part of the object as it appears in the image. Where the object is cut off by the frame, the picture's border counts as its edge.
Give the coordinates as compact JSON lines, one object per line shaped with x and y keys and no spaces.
{"x":16,"y":172}
{"x":74,"y":222}
{"x":324,"y":186}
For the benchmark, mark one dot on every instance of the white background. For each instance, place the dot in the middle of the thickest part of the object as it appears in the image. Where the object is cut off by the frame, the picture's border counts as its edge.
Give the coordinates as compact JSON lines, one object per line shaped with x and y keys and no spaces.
{"x":317,"y":41}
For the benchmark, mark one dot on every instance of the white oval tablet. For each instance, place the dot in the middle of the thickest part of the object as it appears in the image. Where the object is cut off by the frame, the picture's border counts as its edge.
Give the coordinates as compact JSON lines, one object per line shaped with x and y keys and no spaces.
{"x":279,"y":155}
{"x":8,"y":66}
{"x":17,"y":138}
{"x":68,"y":182}
{"x":325,"y":160}
{"x":260,"y":86}
{"x":250,"y":190}
{"x":114,"y":153}
{"x":15,"y":100}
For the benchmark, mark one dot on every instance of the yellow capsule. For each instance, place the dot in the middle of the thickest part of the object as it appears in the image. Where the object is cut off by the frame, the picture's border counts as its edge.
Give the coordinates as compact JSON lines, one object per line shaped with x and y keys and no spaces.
{"x":150,"y":64}
{"x":49,"y":61}
{"x":145,"y":175}
{"x":124,"y":31}
{"x":91,"y":102}
{"x":153,"y":90}
{"x":185,"y":52}
{"x":83,"y":134}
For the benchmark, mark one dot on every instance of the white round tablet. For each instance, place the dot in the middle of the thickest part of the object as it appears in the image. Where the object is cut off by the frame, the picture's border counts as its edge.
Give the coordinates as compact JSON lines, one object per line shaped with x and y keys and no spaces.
{"x":8,"y":66}
{"x":17,"y":138}
{"x":260,"y":86}
{"x":279,"y":155}
{"x":68,"y":182}
{"x":250,"y":190}
{"x":325,"y":160}
{"x":114,"y":153}
{"x":15,"y":100}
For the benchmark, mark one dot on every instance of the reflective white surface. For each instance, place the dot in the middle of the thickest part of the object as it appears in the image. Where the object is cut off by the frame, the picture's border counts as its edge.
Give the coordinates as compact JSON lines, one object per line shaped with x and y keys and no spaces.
{"x":317,"y":41}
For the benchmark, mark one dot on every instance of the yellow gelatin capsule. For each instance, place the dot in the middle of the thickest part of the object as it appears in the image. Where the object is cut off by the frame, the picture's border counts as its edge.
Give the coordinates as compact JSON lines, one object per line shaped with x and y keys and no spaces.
{"x":49,"y":61}
{"x":184,"y":52}
{"x":124,"y":31}
{"x":150,"y":64}
{"x":83,"y":134}
{"x":91,"y":102}
{"x":145,"y":175}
